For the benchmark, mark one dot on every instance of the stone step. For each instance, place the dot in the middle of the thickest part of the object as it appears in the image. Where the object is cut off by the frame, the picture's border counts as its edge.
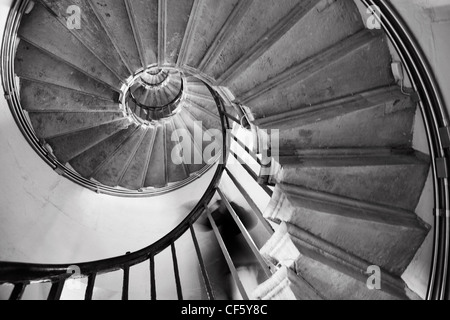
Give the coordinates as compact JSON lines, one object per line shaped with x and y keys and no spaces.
{"x":177,"y":170}
{"x":92,"y":34}
{"x":211,"y":17}
{"x":385,"y":125}
{"x":389,"y":97}
{"x":67,"y":147}
{"x":257,"y":21}
{"x":174,"y":19}
{"x":328,"y":23}
{"x":191,"y":136}
{"x":34,"y":64}
{"x":361,"y":176}
{"x":114,"y":17}
{"x":112,"y":170}
{"x":337,"y":72}
{"x":144,"y":17}
{"x":54,"y":124}
{"x":44,"y":97}
{"x":334,"y":273}
{"x":286,"y":285}
{"x":384,"y":236}
{"x":87,"y":162}
{"x":157,"y":171}
{"x":133,"y":177}
{"x":43,"y":29}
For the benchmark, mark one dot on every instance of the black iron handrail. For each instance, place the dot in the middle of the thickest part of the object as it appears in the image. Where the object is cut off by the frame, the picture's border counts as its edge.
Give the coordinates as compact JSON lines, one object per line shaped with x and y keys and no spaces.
{"x":436,"y":121}
{"x":21,"y":274}
{"x":8,"y":50}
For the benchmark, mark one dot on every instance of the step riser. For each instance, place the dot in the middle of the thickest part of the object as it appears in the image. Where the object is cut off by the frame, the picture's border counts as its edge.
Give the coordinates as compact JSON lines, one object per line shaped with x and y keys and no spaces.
{"x":390,"y":246}
{"x":212,"y":14}
{"x":50,"y":125}
{"x":156,"y":174}
{"x":324,"y":80}
{"x":117,"y":23}
{"x":364,"y":182}
{"x":369,"y":128}
{"x":68,"y":147}
{"x":330,"y":271}
{"x":390,"y":98}
{"x":176,"y":172}
{"x":260,"y":18}
{"x":134,"y":176}
{"x":42,"y":29}
{"x":286,"y":285}
{"x":314,"y":33}
{"x":113,"y":170}
{"x":38,"y":96}
{"x":86,"y":163}
{"x":144,"y":17}
{"x":32,"y":63}
{"x":177,"y":19}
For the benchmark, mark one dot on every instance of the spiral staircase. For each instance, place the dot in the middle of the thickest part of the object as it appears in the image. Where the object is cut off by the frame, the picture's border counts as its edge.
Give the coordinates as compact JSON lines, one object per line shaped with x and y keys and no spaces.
{"x":115,"y":104}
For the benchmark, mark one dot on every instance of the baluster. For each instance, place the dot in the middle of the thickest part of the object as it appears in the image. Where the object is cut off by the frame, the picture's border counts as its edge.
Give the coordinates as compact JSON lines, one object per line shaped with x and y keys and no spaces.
{"x":90,"y":287}
{"x":177,"y":272}
{"x":152,"y":277}
{"x":18,"y":291}
{"x":252,"y":173}
{"x":56,"y":290}
{"x":246,"y":235}
{"x":205,"y":276}
{"x":227,"y":256}
{"x":252,"y":204}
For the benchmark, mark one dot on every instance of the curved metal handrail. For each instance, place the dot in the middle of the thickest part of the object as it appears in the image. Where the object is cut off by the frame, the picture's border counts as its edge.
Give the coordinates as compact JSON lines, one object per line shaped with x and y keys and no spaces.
{"x":436,"y":121}
{"x":11,"y":272}
{"x":8,"y":49}
{"x":23,"y":273}
{"x":432,"y":107}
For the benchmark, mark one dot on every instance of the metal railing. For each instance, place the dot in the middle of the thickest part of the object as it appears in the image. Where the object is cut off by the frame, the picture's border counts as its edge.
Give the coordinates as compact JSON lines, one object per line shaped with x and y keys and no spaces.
{"x":437,"y":126}
{"x":11,"y":92}
{"x":21,"y":275}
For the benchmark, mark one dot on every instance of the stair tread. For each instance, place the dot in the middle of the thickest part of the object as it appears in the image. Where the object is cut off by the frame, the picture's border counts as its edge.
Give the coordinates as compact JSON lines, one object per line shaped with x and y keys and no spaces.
{"x":45,"y":97}
{"x":92,"y":34}
{"x":176,"y":172}
{"x":115,"y":18}
{"x":313,"y":33}
{"x":340,"y":71}
{"x":208,"y":119}
{"x":334,"y":273}
{"x":34,"y":64}
{"x":190,"y":134}
{"x":133,"y":177}
{"x":87,"y":162}
{"x":384,"y":236}
{"x":43,"y":29}
{"x":112,"y":170}
{"x":53,"y":124}
{"x":213,"y":15}
{"x":69,"y":146}
{"x":156,"y":175}
{"x":260,"y":18}
{"x":384,"y":125}
{"x":144,"y":17}
{"x":284,"y":285}
{"x":176,"y":23}
{"x":323,"y":111}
